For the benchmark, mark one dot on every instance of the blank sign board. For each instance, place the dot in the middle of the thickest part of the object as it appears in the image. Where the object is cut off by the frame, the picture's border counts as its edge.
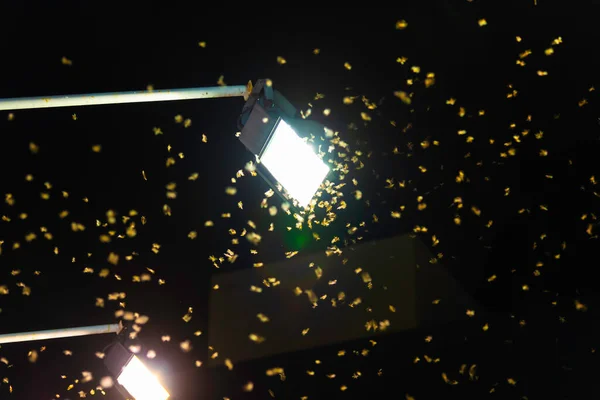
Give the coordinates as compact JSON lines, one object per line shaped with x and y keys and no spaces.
{"x":380,"y":286}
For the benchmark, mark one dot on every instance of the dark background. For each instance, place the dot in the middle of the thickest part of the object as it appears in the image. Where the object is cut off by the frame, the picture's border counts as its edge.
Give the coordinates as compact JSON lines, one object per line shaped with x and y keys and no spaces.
{"x":536,"y":337}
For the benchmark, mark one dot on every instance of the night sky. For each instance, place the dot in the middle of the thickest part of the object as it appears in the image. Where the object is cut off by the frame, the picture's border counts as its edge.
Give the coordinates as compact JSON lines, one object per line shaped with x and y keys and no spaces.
{"x":473,"y":122}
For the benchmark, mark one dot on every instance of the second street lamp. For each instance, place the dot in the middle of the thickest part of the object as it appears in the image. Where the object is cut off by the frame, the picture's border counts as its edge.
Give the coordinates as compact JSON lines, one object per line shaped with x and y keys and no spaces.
{"x":269,"y":129}
{"x":132,"y":376}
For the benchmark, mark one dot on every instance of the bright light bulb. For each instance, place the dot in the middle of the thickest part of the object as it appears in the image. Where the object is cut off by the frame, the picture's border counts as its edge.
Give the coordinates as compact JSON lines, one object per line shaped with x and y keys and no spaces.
{"x":294,"y":164}
{"x":137,"y":379}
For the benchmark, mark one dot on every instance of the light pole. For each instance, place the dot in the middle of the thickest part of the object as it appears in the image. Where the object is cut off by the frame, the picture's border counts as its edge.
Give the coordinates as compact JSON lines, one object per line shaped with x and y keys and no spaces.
{"x":96,"y":99}
{"x":60,"y":333}
{"x":269,"y":127}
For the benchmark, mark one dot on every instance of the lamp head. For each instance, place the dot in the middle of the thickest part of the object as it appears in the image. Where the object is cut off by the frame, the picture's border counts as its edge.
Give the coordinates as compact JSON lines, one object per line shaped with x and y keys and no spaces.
{"x":270,"y":130}
{"x":132,"y":375}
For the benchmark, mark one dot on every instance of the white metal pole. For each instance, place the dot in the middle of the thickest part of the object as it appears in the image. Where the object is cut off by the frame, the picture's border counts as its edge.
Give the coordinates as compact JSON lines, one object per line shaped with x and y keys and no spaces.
{"x":122,"y":97}
{"x":59,"y":333}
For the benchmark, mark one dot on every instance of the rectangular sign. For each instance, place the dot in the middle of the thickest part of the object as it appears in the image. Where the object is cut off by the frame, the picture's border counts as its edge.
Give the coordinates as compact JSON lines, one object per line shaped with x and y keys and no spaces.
{"x":314,"y":300}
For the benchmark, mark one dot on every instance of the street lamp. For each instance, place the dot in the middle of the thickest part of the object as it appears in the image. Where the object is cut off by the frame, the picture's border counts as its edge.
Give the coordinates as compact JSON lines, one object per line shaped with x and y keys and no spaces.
{"x":133,"y":375}
{"x":129,"y":371}
{"x":268,"y":123}
{"x":269,"y":126}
